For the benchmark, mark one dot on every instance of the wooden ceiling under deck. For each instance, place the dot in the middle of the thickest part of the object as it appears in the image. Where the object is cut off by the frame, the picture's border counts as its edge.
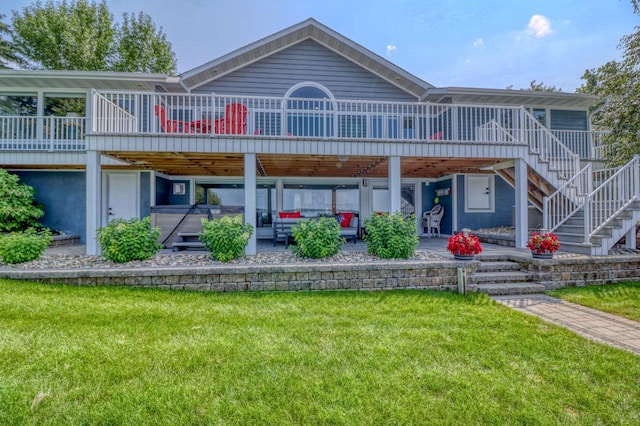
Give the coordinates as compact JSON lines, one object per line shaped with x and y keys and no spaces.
{"x":202,"y":164}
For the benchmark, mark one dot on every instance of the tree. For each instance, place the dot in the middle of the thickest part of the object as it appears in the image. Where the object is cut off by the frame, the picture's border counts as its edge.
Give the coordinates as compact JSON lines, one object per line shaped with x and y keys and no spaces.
{"x":65,"y":36}
{"x":142,"y":48}
{"x":538,"y":87}
{"x":82,"y":35}
{"x":617,"y":83}
{"x":8,"y":53}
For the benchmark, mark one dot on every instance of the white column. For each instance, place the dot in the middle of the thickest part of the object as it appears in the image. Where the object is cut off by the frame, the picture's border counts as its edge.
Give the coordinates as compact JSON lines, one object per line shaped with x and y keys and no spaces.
{"x":250,"y":199}
{"x":93,"y":181}
{"x":522,"y":220}
{"x":394,"y":185}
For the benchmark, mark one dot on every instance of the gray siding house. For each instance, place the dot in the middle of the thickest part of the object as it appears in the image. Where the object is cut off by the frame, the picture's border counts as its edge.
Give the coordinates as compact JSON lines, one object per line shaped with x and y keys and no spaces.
{"x":308,"y":121}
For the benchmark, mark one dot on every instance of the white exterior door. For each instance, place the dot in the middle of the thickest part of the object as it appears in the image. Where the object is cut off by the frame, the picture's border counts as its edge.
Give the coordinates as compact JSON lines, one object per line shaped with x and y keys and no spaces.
{"x":122,"y":196}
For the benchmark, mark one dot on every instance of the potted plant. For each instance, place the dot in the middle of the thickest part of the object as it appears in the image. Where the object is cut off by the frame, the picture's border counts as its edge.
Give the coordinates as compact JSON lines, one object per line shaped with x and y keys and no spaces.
{"x":464,"y":245}
{"x":543,"y":245}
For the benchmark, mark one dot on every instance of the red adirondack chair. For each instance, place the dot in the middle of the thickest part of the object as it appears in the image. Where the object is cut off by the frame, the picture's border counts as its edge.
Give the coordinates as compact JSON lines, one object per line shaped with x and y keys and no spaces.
{"x":171,"y":126}
{"x":234,"y":121}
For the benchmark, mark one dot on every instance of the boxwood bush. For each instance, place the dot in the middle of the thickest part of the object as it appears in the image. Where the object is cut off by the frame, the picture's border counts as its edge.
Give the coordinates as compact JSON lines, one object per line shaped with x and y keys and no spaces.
{"x":126,"y":240}
{"x":225,"y":237}
{"x":19,"y":247}
{"x":317,"y":238}
{"x":391,"y":236}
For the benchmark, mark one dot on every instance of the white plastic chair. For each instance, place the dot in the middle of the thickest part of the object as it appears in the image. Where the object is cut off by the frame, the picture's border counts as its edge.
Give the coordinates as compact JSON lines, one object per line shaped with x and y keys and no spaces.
{"x":432,"y":218}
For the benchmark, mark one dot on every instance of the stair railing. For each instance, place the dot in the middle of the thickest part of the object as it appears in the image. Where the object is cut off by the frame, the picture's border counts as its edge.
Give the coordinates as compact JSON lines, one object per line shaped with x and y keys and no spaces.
{"x":548,"y":147}
{"x":608,"y":200}
{"x":558,"y":207}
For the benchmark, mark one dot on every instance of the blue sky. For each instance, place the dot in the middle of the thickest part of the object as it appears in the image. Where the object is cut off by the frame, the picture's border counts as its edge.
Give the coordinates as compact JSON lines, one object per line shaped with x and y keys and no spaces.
{"x":467,"y":43}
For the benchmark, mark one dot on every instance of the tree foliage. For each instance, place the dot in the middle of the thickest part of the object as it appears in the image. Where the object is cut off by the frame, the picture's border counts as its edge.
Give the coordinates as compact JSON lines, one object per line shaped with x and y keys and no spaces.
{"x":534,"y":86}
{"x":617,"y":83}
{"x":18,"y":208}
{"x":140,"y":47}
{"x":82,"y":35}
{"x":8,"y":54}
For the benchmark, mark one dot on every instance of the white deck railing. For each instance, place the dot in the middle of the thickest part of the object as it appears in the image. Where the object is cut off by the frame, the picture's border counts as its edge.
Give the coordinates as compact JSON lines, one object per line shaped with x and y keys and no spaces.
{"x":29,"y":133}
{"x":145,"y":112}
{"x":548,"y":147}
{"x":612,"y":197}
{"x":567,"y":200}
{"x":141,"y":112}
{"x":587,"y":144}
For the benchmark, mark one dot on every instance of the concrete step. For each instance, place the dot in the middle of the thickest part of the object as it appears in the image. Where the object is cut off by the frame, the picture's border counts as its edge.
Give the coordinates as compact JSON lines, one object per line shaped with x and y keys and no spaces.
{"x":579,"y":248}
{"x":495,"y":277}
{"x":566,"y":237}
{"x":188,"y":236}
{"x":508,"y":288}
{"x":491,"y":266}
{"x":184,"y":245}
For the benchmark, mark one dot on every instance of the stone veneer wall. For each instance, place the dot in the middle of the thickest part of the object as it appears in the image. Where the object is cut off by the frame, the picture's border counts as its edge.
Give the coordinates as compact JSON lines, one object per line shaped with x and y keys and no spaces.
{"x":367,"y":276}
{"x":584,"y":270}
{"x":554,"y":273}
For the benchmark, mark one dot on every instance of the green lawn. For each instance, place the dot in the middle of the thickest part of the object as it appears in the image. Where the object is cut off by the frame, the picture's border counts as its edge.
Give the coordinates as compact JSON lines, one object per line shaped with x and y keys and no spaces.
{"x":105,"y":355}
{"x":621,"y":299}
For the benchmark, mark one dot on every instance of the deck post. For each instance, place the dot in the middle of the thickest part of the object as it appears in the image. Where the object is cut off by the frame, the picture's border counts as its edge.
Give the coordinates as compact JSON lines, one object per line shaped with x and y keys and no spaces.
{"x":250,"y":199}
{"x":521,"y":213}
{"x":395,"y":185}
{"x":93,"y":213}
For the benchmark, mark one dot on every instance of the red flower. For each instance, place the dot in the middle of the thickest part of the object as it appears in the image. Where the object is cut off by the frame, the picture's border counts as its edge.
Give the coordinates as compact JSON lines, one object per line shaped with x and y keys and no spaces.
{"x":466,"y":246}
{"x":547,"y":243}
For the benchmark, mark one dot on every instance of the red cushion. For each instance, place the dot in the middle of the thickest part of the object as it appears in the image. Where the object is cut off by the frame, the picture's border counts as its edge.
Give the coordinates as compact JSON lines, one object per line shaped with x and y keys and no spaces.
{"x":289,"y":215}
{"x":344,"y":219}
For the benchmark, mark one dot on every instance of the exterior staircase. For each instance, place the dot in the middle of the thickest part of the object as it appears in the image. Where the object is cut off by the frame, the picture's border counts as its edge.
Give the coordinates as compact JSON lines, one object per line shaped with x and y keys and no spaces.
{"x":590,"y":211}
{"x":501,"y":277}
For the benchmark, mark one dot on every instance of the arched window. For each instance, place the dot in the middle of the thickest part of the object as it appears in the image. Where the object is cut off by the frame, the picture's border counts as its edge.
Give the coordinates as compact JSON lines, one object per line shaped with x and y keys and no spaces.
{"x":309,"y":107}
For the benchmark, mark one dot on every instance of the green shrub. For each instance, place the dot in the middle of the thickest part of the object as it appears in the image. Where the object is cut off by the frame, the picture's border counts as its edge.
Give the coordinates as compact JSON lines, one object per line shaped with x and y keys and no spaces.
{"x":391,"y":236}
{"x":18,"y":209}
{"x":19,"y":247}
{"x":317,"y":238}
{"x":226,"y":237}
{"x":126,"y":240}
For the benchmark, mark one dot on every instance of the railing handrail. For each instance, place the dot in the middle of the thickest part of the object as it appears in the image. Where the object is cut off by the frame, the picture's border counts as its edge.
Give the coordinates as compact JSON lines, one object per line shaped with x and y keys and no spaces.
{"x":567,"y":161}
{"x":558,"y":207}
{"x":628,"y":174}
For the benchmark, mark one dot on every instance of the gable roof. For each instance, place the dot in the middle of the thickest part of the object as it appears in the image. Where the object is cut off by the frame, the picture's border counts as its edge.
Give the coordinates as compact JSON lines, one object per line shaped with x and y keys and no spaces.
{"x":308,"y":29}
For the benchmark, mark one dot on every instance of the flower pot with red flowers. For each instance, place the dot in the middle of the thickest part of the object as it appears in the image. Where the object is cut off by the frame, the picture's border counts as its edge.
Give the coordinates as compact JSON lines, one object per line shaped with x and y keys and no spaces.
{"x":543,"y":245}
{"x":464,"y":245}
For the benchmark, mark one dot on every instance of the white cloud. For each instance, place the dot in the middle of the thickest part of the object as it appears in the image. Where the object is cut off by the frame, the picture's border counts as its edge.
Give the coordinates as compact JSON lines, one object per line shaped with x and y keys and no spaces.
{"x":390,"y":49}
{"x":539,"y":26}
{"x":478,"y":42}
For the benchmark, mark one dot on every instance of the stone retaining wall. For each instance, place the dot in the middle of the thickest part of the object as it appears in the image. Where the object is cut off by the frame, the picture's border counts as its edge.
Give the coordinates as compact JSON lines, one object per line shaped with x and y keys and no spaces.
{"x":560,"y":273}
{"x":367,"y":276}
{"x":554,"y":273}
